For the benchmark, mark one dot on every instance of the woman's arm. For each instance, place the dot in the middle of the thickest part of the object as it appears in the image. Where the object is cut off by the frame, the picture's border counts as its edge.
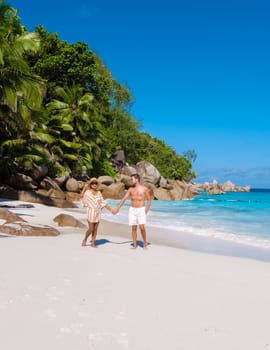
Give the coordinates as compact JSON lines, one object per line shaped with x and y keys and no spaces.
{"x":84,"y":189}
{"x":108,"y":208}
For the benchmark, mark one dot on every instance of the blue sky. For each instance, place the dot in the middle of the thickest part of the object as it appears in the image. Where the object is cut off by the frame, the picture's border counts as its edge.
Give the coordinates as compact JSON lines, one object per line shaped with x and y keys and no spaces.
{"x":199,"y":72}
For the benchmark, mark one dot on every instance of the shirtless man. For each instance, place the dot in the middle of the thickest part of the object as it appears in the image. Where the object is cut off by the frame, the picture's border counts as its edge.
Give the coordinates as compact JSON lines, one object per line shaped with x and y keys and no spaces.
{"x":137,"y":211}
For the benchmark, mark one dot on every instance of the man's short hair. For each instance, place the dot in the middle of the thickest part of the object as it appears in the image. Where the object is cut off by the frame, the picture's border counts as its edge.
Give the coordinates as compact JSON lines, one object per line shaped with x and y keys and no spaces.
{"x":136,"y":176}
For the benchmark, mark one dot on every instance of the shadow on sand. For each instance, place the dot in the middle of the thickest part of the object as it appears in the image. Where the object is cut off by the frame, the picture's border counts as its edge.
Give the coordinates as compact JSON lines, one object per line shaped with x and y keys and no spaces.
{"x":103,"y":241}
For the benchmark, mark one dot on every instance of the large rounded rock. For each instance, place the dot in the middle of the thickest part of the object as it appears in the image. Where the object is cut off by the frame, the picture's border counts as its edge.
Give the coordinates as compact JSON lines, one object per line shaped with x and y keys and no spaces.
{"x":128,"y":170}
{"x":166,"y":184}
{"x":73,"y":197}
{"x":242,"y":189}
{"x":25,"y":229}
{"x":126,"y":180}
{"x":228,"y":186}
{"x":182,"y":190}
{"x":215,"y":190}
{"x":61,"y":180}
{"x":119,"y":156}
{"x":8,"y":216}
{"x":162,"y":194}
{"x":72,"y":185}
{"x":52,"y":193}
{"x":22,"y":182}
{"x":148,"y":172}
{"x":114,"y":191}
{"x":177,"y":193}
{"x":39,"y":172}
{"x":106,"y":180}
{"x":47,"y":183}
{"x":68,"y":220}
{"x":33,"y":197}
{"x":118,"y":160}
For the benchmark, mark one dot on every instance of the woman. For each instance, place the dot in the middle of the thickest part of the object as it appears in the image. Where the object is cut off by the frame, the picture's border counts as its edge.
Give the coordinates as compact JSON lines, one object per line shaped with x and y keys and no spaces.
{"x":93,"y":200}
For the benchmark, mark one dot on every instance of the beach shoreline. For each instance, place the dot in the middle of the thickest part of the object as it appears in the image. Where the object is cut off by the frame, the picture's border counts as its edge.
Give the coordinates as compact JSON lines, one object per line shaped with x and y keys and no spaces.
{"x":56,"y":294}
{"x":42,"y":214}
{"x":183,"y":240}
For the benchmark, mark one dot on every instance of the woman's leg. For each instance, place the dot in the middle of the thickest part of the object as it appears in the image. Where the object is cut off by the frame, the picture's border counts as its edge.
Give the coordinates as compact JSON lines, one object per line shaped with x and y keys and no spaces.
{"x":94,"y":233}
{"x":88,"y":233}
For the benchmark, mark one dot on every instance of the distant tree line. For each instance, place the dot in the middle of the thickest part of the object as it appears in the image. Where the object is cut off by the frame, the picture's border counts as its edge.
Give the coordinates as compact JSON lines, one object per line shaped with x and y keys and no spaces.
{"x":61,"y":107}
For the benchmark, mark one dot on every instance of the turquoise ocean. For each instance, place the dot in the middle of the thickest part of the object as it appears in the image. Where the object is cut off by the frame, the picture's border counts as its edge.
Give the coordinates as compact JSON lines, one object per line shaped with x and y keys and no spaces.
{"x":239,"y":221}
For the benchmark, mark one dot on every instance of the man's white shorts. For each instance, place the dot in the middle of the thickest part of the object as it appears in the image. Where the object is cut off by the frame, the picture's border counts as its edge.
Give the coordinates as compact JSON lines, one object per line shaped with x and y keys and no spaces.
{"x":136,"y":216}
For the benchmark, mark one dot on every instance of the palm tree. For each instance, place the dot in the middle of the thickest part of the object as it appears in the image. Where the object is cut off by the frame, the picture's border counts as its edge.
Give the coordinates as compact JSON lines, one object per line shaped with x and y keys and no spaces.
{"x":20,"y":90}
{"x":77,"y":128}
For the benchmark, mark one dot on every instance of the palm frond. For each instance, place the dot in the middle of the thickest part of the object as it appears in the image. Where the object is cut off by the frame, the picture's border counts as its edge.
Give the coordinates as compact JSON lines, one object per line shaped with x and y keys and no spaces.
{"x":43,"y":137}
{"x":70,"y":156}
{"x":69,"y":144}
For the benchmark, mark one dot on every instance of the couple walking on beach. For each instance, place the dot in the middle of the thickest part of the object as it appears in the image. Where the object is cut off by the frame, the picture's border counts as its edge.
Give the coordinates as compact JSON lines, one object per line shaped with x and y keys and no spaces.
{"x":93,"y":200}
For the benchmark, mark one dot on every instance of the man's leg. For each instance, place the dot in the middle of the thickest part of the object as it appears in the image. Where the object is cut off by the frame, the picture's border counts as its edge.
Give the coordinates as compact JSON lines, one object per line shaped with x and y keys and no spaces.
{"x":134,"y":236}
{"x":88,"y":233}
{"x":143,"y":233}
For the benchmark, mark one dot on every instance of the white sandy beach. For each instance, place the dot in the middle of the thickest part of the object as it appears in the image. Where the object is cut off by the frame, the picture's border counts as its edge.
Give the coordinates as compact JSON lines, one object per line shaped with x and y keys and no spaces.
{"x":55,"y":294}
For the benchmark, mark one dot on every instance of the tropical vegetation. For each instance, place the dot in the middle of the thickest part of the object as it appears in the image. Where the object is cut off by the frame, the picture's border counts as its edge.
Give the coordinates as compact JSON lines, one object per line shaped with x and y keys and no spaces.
{"x":61,"y":107}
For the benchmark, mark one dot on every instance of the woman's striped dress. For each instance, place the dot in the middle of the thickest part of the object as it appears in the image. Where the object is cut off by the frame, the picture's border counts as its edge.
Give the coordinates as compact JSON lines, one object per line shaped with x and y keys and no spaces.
{"x":94,"y":204}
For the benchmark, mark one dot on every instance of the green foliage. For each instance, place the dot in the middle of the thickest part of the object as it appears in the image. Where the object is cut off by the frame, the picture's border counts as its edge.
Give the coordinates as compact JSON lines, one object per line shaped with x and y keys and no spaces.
{"x":164,"y":158}
{"x":63,"y":64}
{"x":103,"y":167}
{"x":61,"y":107}
{"x":121,"y":132}
{"x":20,"y":90}
{"x":56,"y":169}
{"x":19,"y":155}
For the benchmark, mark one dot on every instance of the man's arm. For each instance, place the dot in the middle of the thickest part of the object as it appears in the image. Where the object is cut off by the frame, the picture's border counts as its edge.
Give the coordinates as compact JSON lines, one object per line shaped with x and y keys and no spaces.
{"x":116,"y":210}
{"x":148,"y":200}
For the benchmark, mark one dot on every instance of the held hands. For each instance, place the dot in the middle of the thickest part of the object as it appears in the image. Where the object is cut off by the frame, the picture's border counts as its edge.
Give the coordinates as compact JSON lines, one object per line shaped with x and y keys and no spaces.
{"x":115,"y":211}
